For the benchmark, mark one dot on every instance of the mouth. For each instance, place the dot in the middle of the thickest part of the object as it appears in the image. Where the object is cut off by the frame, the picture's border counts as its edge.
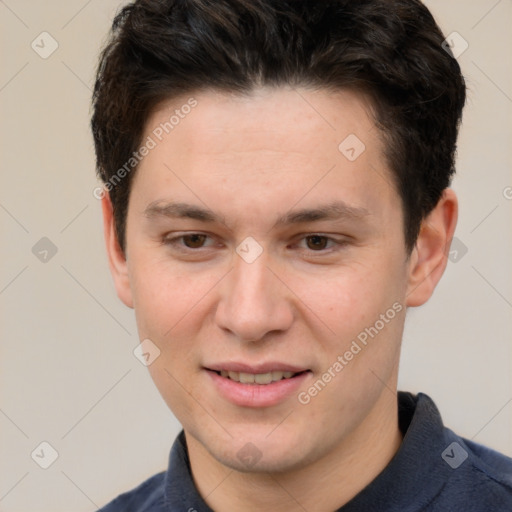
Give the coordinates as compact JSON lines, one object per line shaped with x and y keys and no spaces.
{"x":258,"y":378}
{"x":257,"y":386}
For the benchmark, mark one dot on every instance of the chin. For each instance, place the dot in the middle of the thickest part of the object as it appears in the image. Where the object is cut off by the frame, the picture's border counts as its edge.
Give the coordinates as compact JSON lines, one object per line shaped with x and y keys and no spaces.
{"x":274,"y":463}
{"x":260,"y":453}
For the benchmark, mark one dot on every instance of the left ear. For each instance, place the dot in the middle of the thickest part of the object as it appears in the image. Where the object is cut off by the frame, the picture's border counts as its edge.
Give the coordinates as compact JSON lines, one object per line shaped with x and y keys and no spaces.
{"x":428,"y":259}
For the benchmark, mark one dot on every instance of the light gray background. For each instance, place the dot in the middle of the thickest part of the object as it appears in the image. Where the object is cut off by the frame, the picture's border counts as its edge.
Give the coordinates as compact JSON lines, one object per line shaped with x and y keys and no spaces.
{"x":68,"y":375}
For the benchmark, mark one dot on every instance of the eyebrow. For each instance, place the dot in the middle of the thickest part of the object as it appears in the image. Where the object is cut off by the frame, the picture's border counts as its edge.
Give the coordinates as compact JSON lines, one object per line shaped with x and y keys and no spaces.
{"x":337,"y":210}
{"x":181,"y":211}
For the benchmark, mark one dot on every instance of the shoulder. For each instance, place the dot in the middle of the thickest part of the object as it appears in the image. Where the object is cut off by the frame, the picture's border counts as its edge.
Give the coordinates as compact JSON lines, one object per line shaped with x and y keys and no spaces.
{"x":146,"y":497}
{"x":480,"y":478}
{"x":440,"y":470}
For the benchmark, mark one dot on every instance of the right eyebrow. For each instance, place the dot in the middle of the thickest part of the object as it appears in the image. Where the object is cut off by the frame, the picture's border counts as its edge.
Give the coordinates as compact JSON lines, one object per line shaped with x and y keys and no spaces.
{"x":181,"y":211}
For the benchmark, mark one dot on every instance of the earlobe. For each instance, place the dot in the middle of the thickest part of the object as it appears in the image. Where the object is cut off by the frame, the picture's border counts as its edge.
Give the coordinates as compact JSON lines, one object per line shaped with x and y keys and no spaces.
{"x":429,"y":256}
{"x":116,"y":257}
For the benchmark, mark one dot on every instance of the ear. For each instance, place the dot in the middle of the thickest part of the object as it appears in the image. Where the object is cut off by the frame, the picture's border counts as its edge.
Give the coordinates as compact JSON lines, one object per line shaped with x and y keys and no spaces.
{"x":116,"y":257}
{"x":430,"y":254}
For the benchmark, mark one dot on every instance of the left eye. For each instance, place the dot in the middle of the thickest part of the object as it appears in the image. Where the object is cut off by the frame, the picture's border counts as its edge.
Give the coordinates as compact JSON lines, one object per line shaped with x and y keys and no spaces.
{"x":317,"y":242}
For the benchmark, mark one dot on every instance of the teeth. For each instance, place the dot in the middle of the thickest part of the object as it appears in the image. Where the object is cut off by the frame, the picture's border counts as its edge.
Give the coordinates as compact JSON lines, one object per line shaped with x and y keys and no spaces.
{"x":258,"y":378}
{"x":263,"y":378}
{"x":281,"y":375}
{"x":246,"y":378}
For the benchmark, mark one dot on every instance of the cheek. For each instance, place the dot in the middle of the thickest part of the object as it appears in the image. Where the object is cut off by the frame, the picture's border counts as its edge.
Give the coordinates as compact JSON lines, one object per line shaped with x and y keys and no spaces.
{"x":169,"y":298}
{"x":160,"y":296}
{"x":153,"y":296}
{"x":352,"y":298}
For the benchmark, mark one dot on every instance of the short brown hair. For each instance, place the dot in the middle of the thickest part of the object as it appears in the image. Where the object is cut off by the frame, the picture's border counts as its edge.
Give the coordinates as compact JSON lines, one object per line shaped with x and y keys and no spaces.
{"x":389,"y":49}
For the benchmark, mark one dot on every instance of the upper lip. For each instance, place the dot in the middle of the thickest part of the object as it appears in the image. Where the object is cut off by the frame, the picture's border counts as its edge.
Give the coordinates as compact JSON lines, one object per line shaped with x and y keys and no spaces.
{"x":270,"y":366}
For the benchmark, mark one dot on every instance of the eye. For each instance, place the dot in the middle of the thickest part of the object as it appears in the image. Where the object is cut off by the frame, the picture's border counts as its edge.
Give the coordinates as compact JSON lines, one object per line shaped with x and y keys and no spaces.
{"x":188,"y":241}
{"x":194,"y":241}
{"x":318,"y":243}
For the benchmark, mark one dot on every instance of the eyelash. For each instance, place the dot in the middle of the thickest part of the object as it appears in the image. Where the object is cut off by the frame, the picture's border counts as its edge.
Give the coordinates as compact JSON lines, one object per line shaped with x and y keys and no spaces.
{"x":335,"y":244}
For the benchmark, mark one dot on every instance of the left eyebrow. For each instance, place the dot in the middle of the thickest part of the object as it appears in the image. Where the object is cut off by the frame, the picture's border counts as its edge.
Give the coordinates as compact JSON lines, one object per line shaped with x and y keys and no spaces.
{"x":337,"y":210}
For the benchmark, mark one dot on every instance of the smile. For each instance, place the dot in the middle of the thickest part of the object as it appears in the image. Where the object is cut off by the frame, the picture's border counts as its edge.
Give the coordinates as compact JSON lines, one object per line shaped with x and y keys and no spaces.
{"x":261,"y":387}
{"x":257,"y":378}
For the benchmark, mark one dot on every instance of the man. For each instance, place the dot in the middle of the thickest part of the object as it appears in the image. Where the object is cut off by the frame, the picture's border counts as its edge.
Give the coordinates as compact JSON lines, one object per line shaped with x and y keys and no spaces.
{"x":275,"y":197}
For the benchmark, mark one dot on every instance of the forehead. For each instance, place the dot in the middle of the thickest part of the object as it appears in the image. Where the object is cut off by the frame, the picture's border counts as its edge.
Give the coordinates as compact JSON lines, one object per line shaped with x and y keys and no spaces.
{"x":274,"y":147}
{"x":277,"y":118}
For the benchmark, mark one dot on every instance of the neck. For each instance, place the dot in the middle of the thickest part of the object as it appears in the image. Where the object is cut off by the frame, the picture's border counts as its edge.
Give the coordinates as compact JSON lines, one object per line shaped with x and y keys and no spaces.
{"x":323,"y":485}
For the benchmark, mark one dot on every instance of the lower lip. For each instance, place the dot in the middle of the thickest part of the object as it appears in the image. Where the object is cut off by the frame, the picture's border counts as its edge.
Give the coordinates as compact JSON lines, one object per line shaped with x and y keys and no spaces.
{"x":257,"y":395}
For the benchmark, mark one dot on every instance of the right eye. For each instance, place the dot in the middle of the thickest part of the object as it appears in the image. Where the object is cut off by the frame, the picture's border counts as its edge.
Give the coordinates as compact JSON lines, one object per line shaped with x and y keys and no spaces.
{"x":189,"y":241}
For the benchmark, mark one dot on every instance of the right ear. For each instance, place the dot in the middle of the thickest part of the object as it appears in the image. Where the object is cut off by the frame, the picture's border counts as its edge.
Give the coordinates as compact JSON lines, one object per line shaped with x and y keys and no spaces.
{"x":116,"y":258}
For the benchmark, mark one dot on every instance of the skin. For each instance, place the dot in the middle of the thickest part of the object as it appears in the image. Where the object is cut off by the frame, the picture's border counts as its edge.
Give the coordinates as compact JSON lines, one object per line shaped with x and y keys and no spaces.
{"x":251,"y":160}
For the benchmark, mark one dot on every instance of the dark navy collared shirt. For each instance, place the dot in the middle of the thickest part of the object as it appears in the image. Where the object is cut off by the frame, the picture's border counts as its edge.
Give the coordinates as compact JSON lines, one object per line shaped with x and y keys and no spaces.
{"x":434,"y":470}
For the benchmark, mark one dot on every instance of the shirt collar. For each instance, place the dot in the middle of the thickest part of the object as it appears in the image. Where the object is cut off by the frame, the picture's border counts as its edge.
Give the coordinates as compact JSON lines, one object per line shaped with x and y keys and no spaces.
{"x":416,"y":474}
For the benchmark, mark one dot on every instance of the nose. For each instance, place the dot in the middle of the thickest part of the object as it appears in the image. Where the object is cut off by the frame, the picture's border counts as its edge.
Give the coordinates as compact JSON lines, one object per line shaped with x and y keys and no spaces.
{"x":254,"y":302}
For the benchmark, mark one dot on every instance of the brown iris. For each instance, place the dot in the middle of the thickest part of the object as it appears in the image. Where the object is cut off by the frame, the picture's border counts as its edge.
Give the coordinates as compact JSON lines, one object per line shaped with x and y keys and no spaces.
{"x":316,"y":242}
{"x":194,"y":241}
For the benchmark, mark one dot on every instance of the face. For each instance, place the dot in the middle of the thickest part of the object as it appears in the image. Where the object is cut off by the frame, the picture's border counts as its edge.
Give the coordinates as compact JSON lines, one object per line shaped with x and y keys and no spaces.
{"x":257,"y":249}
